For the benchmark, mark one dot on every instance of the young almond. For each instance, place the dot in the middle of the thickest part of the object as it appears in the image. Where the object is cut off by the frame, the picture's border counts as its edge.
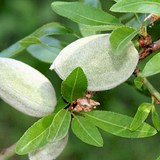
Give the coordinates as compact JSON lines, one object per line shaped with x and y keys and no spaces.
{"x":25,"y":88}
{"x":103,"y":69}
{"x":50,"y":151}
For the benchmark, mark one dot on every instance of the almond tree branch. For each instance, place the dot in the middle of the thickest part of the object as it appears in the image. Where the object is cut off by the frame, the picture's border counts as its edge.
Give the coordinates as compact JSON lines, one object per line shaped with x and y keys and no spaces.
{"x":152,"y":90}
{"x":149,"y":49}
{"x":6,"y":153}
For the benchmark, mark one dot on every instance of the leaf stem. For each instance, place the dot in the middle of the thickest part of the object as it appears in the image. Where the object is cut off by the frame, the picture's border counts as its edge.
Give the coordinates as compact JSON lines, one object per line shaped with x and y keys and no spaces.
{"x":151,"y":89}
{"x":148,"y":50}
{"x":138,"y":19}
{"x":6,"y":153}
{"x":145,"y":24}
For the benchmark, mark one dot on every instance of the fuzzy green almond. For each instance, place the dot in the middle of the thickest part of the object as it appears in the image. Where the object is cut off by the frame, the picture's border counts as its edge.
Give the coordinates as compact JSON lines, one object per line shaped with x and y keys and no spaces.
{"x":25,"y":88}
{"x":104,"y":70}
{"x":50,"y":151}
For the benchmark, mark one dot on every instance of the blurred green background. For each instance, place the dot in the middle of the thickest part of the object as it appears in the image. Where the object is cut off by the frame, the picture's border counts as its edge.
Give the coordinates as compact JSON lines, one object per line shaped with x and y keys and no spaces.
{"x":19,"y":18}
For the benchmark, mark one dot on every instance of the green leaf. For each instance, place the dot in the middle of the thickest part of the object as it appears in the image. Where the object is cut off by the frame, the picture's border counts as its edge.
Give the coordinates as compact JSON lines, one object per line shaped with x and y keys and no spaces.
{"x":152,"y":67}
{"x":86,"y":32}
{"x":138,"y":82}
{"x":140,"y":6}
{"x":47,"y":51}
{"x":82,"y":27}
{"x":35,"y":136}
{"x":141,"y":115}
{"x":100,"y":27}
{"x":118,"y":124}
{"x":48,"y":29}
{"x":155,"y":118}
{"x":120,"y":38}
{"x":30,"y":40}
{"x":12,"y":50}
{"x":75,"y":85}
{"x":91,"y":30}
{"x":53,"y":28}
{"x":60,"y":125}
{"x":84,"y":13}
{"x":61,"y":104}
{"x":95,"y":3}
{"x":86,"y":131}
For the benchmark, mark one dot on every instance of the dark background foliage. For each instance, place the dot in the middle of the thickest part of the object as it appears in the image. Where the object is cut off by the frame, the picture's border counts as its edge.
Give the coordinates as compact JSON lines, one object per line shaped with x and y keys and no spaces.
{"x":19,"y":18}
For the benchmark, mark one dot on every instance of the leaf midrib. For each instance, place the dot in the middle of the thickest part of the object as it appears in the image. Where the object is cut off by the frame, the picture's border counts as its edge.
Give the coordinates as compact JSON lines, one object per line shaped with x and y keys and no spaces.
{"x":58,"y":127}
{"x":81,"y":16}
{"x":87,"y":131}
{"x":96,"y":118}
{"x":73,"y":88}
{"x":120,"y":44}
{"x":23,"y":148}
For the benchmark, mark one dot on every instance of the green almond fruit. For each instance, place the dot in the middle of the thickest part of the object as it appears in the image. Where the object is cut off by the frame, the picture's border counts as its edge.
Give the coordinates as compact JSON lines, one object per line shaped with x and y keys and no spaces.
{"x":104,"y":70}
{"x":25,"y":88}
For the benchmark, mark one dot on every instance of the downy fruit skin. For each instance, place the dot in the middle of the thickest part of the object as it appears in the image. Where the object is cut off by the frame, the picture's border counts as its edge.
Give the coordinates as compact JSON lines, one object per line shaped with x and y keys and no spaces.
{"x":93,"y":54}
{"x":25,"y":88}
{"x":50,"y":151}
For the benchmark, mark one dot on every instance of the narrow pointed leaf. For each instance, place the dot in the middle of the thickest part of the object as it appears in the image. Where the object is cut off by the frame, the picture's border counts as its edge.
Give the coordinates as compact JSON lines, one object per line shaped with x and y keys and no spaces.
{"x":118,"y":124}
{"x":100,"y":27}
{"x":50,"y":151}
{"x":120,"y":38}
{"x":85,"y":14}
{"x":141,"y":115}
{"x":86,"y":131}
{"x":75,"y":85}
{"x":84,"y":31}
{"x":140,"y":6}
{"x":12,"y":50}
{"x":60,"y":125}
{"x":35,"y":136}
{"x":53,"y":28}
{"x":87,"y":30}
{"x":25,"y":88}
{"x":152,"y":67}
{"x":155,"y":118}
{"x":47,"y":51}
{"x":46,"y":30}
